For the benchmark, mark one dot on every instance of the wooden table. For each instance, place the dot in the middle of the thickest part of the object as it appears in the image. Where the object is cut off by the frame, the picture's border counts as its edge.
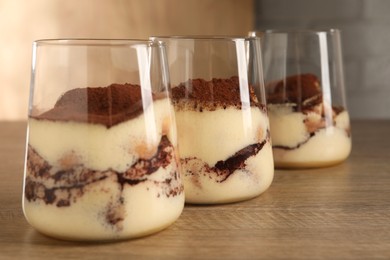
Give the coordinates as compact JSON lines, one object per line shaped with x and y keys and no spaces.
{"x":340,"y":212}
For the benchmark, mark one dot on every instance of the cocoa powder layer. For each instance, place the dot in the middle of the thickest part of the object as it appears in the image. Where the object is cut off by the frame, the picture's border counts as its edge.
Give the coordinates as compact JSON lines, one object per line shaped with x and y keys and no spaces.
{"x":108,"y":106}
{"x":199,"y":94}
{"x":295,"y":89}
{"x":64,"y":187}
{"x":303,"y":90}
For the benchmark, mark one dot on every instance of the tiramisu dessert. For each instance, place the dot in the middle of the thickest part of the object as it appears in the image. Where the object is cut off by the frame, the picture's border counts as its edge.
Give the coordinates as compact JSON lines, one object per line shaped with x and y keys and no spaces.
{"x":224,"y":141}
{"x":306,"y":130}
{"x":102,"y":165}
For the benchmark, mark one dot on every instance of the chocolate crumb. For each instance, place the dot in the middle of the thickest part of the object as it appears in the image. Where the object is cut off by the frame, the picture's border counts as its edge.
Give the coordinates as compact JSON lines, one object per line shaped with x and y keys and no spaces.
{"x":108,"y":106}
{"x":75,"y":179}
{"x":223,"y":169}
{"x":293,"y":89}
{"x":210,"y":95}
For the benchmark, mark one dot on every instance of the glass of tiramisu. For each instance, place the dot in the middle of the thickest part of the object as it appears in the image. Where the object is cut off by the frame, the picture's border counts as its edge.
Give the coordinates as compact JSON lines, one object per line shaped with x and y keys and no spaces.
{"x":101,"y":158}
{"x":223,"y":128}
{"x":306,"y":101}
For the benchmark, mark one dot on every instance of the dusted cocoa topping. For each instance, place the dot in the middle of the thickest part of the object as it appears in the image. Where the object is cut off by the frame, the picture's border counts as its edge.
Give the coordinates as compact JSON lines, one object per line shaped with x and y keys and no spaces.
{"x":101,"y":105}
{"x":209,"y":95}
{"x":338,"y":109}
{"x":304,"y":91}
{"x":296,"y":89}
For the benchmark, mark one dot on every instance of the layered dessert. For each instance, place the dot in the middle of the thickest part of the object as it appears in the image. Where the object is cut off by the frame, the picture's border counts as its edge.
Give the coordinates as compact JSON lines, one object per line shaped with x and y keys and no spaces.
{"x":102,"y":164}
{"x":224,"y":141}
{"x":306,"y":130}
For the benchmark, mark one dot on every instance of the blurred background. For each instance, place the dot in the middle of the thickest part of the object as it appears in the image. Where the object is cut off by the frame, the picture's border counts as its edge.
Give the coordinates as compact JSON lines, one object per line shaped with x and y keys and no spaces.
{"x":23,"y":21}
{"x":364,"y":24}
{"x":365,"y":35}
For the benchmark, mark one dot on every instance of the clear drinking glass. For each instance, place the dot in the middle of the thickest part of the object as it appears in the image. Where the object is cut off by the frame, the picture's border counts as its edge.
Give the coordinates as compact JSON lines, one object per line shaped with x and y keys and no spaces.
{"x":223,"y":128}
{"x":306,"y":101}
{"x":101,"y":159}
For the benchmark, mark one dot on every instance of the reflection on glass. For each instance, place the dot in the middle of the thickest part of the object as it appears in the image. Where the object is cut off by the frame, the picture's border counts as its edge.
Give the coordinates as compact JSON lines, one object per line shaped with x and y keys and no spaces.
{"x":305,"y":97}
{"x":223,"y":128}
{"x":101,"y":145}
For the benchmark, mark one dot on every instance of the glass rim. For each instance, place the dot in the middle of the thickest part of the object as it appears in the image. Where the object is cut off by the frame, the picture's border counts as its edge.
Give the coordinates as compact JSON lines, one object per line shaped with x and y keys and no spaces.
{"x":96,"y":42}
{"x":256,"y":33}
{"x":202,"y":37}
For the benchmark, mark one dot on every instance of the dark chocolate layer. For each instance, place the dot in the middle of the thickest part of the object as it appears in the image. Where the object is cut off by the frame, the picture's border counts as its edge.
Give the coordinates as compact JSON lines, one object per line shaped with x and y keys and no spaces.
{"x":223,"y":169}
{"x":68,"y":185}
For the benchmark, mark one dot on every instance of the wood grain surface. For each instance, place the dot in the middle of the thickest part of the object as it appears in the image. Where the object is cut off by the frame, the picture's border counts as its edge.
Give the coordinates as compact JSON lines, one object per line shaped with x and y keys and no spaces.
{"x":340,"y":212}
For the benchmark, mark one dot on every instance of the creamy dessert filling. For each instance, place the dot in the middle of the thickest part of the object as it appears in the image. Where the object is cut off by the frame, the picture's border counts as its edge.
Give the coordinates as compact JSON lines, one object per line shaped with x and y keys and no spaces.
{"x":300,"y":118}
{"x":219,"y":135}
{"x":62,"y":187}
{"x":103,"y":164}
